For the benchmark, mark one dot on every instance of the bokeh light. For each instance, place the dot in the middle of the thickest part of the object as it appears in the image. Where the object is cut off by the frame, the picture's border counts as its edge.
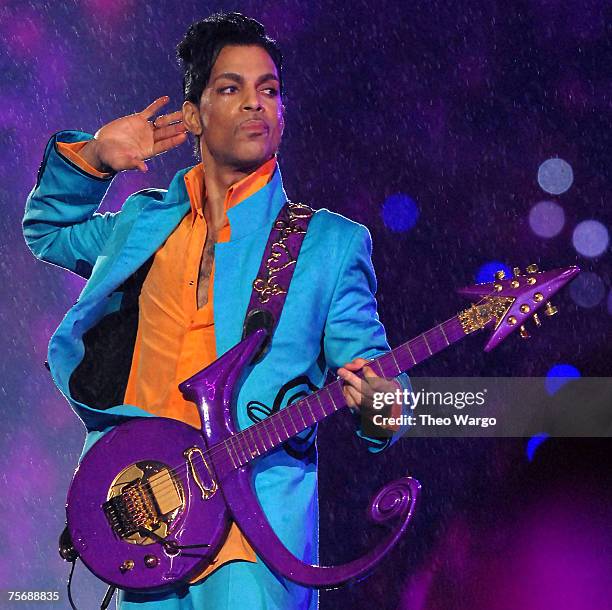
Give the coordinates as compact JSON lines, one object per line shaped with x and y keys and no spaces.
{"x":486,"y":273}
{"x":546,"y":219}
{"x":555,"y":176}
{"x":590,"y":238}
{"x":559,"y":375}
{"x":400,"y":212}
{"x":534,"y":442}
{"x":587,"y":290}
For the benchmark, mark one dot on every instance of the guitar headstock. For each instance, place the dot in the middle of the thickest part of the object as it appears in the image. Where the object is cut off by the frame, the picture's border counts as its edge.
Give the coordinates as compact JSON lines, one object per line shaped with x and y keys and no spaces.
{"x":506,"y":304}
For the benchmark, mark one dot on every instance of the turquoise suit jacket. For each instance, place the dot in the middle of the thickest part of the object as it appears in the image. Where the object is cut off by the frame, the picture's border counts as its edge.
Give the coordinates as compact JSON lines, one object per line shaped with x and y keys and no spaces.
{"x":329,"y":317}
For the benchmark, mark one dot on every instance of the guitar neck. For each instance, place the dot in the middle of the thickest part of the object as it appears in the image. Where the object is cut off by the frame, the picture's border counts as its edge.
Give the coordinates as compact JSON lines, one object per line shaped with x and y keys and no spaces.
{"x":271,"y":432}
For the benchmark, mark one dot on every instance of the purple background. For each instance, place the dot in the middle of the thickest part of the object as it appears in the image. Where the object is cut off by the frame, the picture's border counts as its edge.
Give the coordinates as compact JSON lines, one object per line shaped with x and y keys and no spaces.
{"x":451,"y":105}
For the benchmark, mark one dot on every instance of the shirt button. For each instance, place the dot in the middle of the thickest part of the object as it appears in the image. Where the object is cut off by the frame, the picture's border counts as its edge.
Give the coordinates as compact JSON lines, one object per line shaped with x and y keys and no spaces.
{"x":191,"y":283}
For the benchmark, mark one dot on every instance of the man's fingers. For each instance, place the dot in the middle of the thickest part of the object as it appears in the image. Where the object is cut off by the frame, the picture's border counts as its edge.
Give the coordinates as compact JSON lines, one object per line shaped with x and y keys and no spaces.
{"x":351,"y":396}
{"x":368,"y":372}
{"x":140,"y":166}
{"x":168,"y":132}
{"x":356,"y":364}
{"x":167,"y":119}
{"x":348,"y":376}
{"x":165,"y":145}
{"x":356,"y":382}
{"x":153,"y":108}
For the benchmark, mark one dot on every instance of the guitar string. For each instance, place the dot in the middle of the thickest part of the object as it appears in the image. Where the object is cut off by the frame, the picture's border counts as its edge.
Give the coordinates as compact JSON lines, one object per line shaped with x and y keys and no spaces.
{"x":222,"y":447}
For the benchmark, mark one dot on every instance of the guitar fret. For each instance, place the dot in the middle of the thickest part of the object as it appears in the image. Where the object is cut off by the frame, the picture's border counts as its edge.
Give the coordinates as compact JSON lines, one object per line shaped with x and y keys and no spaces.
{"x":411,"y":354}
{"x":280,"y":417}
{"x":260,"y":437}
{"x":376,"y":367}
{"x":299,"y":410}
{"x":273,"y":423}
{"x":332,"y":398}
{"x":321,"y":404}
{"x":288,"y":411}
{"x":265,"y":426}
{"x":254,"y":443}
{"x":397,"y":366}
{"x":427,"y":344}
{"x":229,"y":446}
{"x":443,"y":333}
{"x":314,"y":419}
{"x":244,"y":458}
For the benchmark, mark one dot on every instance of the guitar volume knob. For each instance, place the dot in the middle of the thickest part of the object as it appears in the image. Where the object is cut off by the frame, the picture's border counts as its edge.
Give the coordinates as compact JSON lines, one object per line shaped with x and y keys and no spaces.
{"x":151,"y":561}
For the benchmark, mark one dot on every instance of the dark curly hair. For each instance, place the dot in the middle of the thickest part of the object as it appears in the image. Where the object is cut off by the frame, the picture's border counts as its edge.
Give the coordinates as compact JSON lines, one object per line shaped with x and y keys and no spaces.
{"x":200,"y":47}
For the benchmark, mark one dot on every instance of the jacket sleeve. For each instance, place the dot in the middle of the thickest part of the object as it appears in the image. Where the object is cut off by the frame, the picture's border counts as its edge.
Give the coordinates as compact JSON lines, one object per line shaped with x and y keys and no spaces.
{"x":60,"y":224}
{"x":353,"y":329}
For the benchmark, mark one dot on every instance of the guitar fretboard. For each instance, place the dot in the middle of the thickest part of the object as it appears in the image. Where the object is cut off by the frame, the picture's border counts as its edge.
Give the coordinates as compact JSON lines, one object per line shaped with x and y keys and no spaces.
{"x":271,"y":432}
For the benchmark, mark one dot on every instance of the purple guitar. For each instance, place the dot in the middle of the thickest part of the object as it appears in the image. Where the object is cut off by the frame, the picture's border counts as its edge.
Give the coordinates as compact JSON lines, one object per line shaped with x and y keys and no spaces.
{"x":152,"y":501}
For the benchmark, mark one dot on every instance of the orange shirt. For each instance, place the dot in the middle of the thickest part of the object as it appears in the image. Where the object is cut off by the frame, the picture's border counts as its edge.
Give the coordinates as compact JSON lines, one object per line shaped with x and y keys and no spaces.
{"x":175,"y":339}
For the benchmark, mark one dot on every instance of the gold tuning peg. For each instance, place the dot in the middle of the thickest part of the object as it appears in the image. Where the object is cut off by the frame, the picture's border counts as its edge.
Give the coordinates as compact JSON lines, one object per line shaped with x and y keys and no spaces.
{"x":532,"y":268}
{"x":500,"y":275}
{"x":523,"y":332}
{"x":550,"y":309}
{"x":516,"y":271}
{"x":536,"y":319}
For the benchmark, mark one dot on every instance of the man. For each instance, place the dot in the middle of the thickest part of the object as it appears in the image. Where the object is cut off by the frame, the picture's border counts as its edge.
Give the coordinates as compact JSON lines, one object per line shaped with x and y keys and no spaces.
{"x":169,"y":280}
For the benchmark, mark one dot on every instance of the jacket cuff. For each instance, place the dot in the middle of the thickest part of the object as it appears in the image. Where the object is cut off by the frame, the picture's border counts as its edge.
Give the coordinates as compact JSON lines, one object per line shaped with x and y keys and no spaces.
{"x":378,"y":444}
{"x":57,"y":170}
{"x":71,"y":151}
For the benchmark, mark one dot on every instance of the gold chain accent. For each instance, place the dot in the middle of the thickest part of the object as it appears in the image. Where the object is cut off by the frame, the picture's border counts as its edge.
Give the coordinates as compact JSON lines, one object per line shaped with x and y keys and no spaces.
{"x":280,"y":258}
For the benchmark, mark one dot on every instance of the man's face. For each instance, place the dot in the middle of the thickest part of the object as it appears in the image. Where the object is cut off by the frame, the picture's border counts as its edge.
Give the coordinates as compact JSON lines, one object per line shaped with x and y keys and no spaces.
{"x":241,"y":113}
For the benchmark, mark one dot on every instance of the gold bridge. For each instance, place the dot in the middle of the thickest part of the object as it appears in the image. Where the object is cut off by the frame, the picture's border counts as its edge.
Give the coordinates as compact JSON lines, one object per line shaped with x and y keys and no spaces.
{"x":144,"y":496}
{"x":207,"y":492}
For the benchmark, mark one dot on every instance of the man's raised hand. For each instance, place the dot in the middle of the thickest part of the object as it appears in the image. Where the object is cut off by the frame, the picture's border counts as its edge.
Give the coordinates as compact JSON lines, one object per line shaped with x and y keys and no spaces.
{"x":127,"y":142}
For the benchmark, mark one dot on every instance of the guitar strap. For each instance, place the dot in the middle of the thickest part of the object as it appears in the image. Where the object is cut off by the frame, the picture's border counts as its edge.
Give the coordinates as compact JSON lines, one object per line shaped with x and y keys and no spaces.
{"x":278,"y":263}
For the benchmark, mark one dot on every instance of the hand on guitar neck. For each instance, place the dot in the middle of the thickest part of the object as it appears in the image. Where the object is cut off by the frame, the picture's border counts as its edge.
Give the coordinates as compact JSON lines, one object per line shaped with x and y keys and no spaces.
{"x":359,"y":392}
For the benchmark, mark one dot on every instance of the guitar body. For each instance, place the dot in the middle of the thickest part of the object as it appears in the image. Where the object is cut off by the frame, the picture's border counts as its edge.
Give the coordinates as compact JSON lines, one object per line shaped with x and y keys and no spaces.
{"x":152,"y":501}
{"x":143,"y":461}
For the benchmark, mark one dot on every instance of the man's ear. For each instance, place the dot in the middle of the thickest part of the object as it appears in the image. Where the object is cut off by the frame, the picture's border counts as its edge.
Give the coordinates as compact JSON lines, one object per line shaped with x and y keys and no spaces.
{"x":191,"y":118}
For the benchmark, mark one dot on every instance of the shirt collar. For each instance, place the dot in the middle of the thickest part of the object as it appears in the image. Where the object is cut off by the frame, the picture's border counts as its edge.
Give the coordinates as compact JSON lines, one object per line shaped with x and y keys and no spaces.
{"x":241,"y":190}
